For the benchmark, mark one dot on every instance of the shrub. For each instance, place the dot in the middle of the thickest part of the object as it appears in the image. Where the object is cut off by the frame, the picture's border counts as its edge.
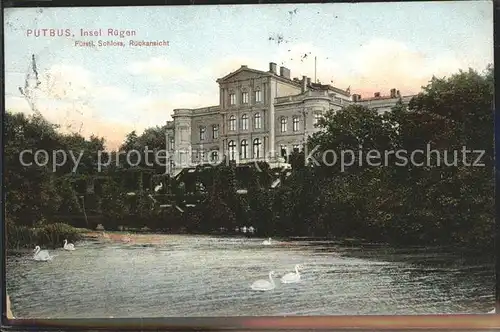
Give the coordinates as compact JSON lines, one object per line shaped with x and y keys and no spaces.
{"x":50,"y":235}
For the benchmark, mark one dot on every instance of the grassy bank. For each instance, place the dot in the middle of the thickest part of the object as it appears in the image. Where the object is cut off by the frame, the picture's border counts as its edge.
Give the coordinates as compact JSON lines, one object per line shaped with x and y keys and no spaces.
{"x":48,"y":236}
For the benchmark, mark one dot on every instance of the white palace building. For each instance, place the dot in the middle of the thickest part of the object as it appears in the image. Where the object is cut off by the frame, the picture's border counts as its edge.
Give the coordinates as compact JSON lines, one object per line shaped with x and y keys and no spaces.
{"x":262,"y":115}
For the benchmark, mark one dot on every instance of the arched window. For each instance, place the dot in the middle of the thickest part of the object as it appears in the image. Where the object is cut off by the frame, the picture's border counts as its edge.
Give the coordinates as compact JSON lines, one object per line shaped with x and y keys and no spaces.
{"x":257,"y":121}
{"x":283,"y":124}
{"x":232,"y":123}
{"x":244,"y":122}
{"x":257,"y":148}
{"x":244,"y":149}
{"x":214,"y":156}
{"x":232,"y":150}
{"x":295,"y":123}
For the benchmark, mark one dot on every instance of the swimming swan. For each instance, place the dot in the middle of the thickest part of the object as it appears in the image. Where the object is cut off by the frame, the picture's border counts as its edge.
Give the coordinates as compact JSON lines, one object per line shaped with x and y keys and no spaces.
{"x":68,"y":246}
{"x":42,"y":256}
{"x":267,"y":242}
{"x":292,"y":276}
{"x":264,"y":285}
{"x":494,"y":311}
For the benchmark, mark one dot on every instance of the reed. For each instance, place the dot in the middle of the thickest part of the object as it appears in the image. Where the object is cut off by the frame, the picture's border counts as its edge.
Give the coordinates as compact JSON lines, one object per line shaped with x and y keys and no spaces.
{"x":49,"y":235}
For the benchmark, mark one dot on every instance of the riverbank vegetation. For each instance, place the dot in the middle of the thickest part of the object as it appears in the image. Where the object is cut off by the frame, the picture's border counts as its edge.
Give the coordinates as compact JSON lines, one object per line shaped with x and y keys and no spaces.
{"x":50,"y":235}
{"x":431,"y":203}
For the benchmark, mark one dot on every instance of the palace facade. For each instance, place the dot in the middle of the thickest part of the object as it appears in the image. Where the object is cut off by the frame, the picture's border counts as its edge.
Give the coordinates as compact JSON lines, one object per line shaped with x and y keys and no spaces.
{"x":262,"y":115}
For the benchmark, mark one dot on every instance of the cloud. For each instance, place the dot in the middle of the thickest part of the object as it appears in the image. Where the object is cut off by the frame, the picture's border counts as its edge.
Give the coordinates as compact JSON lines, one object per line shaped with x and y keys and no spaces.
{"x":156,"y":106}
{"x":161,"y":69}
{"x":300,"y":59}
{"x":81,"y":119}
{"x":385,"y":64}
{"x":111,"y":93}
{"x":69,"y":97}
{"x":227,"y":65}
{"x":377,"y":66}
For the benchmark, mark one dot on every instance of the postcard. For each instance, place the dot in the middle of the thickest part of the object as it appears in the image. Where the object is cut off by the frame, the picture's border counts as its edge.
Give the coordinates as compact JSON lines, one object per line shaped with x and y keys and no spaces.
{"x":256,"y":160}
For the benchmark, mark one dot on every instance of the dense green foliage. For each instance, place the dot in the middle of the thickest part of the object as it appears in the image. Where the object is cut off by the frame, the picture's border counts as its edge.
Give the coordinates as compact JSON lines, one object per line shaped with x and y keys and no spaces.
{"x":49,"y":235}
{"x":396,"y":202}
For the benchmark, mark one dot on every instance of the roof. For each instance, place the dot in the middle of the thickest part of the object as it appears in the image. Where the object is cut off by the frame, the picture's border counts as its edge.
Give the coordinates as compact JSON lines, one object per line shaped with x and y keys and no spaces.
{"x":386,"y":98}
{"x":378,"y":98}
{"x":318,"y":86}
{"x":241,"y":69}
{"x":244,"y":68}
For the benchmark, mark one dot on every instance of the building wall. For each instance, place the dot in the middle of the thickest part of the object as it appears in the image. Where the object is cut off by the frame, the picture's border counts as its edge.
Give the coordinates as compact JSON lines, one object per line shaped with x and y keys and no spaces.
{"x":284,"y":89}
{"x":281,"y":98}
{"x":202,"y":147}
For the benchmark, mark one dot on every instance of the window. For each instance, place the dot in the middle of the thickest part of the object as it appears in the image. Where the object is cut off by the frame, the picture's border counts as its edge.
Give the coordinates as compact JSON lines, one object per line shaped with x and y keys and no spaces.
{"x":214,"y":155}
{"x":317,"y":117}
{"x":215,"y":131}
{"x":244,"y":122}
{"x":283,"y":150}
{"x":202,"y":133}
{"x":295,"y":123}
{"x":244,"y":97}
{"x":172,"y":164}
{"x":257,"y":145}
{"x":232,"y":99}
{"x":257,"y":123}
{"x":232,"y":150}
{"x":201,"y":155}
{"x":232,"y":123}
{"x":244,"y":149}
{"x":283,"y":124}
{"x":171,"y":143}
{"x":258,"y":96}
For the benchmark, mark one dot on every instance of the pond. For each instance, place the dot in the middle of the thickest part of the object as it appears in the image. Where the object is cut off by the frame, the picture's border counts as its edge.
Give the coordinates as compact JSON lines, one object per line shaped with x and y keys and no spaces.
{"x":176,"y":275}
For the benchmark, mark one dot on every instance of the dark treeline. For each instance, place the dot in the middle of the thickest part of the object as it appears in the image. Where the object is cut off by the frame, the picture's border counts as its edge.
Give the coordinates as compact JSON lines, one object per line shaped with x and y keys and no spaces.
{"x":444,"y":201}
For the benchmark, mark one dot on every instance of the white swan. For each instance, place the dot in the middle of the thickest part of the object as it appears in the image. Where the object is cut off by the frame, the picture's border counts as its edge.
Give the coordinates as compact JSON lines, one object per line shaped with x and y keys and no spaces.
{"x":264,"y":285}
{"x":68,"y":246}
{"x":494,"y":311}
{"x":267,"y":242}
{"x":42,"y":256}
{"x":292,"y":276}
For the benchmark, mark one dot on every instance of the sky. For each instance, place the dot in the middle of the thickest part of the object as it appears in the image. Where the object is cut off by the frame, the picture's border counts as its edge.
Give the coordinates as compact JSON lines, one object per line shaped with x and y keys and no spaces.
{"x":110,"y":91}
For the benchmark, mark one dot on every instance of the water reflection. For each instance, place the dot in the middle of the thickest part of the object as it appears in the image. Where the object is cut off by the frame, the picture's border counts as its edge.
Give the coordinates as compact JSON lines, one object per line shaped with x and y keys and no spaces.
{"x":210,"y":276}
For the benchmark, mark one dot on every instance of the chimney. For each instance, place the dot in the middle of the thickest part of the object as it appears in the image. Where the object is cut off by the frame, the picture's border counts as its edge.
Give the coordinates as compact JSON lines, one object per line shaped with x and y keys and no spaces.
{"x":393,"y":93}
{"x":308,"y":81}
{"x":398,"y":94}
{"x":376,"y":94}
{"x":244,"y":66}
{"x":304,"y":84}
{"x":285,"y":72}
{"x":272,"y":68}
